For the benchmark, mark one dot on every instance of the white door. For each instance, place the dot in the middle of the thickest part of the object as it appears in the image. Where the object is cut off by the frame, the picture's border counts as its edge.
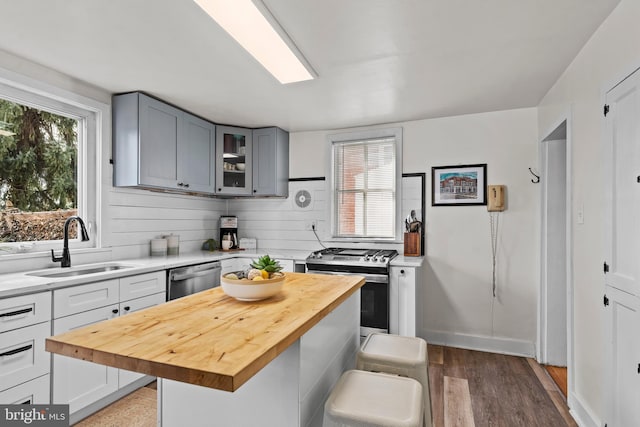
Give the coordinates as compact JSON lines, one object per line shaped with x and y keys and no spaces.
{"x":622,"y":252}
{"x":623,"y":209}
{"x":554,"y":250}
{"x":623,"y":354}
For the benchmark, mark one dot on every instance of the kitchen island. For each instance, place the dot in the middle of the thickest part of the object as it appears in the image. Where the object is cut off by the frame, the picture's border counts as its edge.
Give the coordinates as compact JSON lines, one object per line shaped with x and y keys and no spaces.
{"x":286,"y":351}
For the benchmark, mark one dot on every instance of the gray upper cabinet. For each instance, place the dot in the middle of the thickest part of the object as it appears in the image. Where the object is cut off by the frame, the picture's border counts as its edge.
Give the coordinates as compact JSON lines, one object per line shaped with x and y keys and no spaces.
{"x":197,"y":155}
{"x":270,"y":162}
{"x":234,"y":161}
{"x":159,"y":146}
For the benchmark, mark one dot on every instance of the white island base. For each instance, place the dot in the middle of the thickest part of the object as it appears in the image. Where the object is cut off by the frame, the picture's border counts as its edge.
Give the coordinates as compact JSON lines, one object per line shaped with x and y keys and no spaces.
{"x":289,"y":392}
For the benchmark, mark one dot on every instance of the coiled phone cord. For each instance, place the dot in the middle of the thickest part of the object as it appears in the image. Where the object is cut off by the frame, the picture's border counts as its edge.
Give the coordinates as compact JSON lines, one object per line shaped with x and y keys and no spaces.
{"x":494,"y":221}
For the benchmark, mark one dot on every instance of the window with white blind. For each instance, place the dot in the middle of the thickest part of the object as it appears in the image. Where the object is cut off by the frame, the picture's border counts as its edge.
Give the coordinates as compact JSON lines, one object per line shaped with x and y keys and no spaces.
{"x":366,"y":169}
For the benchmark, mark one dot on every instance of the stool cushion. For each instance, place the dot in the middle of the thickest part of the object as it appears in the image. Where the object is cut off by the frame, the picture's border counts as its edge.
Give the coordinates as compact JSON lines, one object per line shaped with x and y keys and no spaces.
{"x":398,"y":355}
{"x":363,"y":398}
{"x":394,"y":349}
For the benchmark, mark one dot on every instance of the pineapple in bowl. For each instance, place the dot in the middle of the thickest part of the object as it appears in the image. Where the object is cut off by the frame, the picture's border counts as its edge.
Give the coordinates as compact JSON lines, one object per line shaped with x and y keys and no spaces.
{"x":263,"y":280}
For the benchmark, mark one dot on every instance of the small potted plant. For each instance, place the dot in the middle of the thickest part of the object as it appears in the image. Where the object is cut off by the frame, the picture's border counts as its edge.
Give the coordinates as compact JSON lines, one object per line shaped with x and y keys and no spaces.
{"x":262,"y":280}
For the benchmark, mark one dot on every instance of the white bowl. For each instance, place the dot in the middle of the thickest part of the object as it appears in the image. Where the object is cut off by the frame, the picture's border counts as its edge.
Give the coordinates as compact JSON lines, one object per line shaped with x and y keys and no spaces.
{"x":251,"y":290}
{"x":240,"y":166}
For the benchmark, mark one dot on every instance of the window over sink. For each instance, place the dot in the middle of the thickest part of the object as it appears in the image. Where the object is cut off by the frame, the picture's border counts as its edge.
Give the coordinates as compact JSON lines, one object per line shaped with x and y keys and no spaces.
{"x":365,"y":177}
{"x":48,"y":152}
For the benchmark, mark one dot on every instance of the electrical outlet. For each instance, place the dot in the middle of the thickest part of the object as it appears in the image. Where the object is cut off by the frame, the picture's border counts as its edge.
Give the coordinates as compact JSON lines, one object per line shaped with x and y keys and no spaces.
{"x":310,"y":225}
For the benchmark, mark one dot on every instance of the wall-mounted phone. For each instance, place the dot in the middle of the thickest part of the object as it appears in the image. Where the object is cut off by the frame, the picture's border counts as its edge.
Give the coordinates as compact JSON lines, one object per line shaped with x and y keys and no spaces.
{"x":496,"y":198}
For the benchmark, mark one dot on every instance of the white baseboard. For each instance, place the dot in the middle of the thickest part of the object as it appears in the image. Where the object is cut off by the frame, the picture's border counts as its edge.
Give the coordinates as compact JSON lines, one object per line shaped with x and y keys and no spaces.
{"x":481,"y":343}
{"x":581,"y":413}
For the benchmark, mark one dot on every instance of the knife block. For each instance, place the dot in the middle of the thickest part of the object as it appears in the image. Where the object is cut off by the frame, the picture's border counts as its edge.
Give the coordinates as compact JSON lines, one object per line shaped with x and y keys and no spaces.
{"x":412,"y":244}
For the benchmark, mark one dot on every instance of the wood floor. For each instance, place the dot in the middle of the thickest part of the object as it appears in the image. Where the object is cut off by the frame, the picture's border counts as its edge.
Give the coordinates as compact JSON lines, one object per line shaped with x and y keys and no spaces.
{"x":559,"y":376}
{"x":468,"y":388}
{"x":473,"y":388}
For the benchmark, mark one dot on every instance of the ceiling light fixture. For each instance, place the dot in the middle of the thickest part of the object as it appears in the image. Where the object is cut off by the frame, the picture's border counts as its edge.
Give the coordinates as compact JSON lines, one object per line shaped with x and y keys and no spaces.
{"x":251,"y":24}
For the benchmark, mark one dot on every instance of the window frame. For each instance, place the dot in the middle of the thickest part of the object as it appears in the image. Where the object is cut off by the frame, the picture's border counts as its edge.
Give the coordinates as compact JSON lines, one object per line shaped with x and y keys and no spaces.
{"x":90,"y":115}
{"x":363,"y":135}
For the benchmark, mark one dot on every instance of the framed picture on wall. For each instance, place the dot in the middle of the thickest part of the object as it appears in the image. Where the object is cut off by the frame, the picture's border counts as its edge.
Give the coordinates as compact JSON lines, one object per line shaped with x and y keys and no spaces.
{"x":459,"y":185}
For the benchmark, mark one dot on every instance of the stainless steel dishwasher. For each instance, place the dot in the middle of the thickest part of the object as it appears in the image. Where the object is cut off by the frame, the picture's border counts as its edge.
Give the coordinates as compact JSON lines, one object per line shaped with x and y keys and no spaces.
{"x":185,"y":281}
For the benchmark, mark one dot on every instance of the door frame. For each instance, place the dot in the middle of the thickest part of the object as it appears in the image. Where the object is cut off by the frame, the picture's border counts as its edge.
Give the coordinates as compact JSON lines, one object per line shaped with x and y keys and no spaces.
{"x":542,"y":292}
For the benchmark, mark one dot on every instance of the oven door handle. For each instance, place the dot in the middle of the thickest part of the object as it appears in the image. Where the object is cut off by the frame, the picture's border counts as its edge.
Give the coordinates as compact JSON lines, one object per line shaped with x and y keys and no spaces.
{"x":370,"y":278}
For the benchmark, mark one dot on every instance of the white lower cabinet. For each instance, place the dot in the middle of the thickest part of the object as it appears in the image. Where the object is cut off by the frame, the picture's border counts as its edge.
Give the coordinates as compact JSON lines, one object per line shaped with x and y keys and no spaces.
{"x":32,"y":392}
{"x":142,"y":285}
{"x":77,"y":382}
{"x":402,"y":301}
{"x":127,"y":377}
{"x":287,"y":264}
{"x":25,"y":310}
{"x":25,"y":323}
{"x":80,"y":383}
{"x":623,"y":358}
{"x":233,"y":264}
{"x":22,"y":354}
{"x":76,"y":299}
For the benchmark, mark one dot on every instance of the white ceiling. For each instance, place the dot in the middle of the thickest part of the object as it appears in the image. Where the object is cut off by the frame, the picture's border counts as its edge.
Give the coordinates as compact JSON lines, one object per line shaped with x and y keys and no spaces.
{"x":378,"y":61}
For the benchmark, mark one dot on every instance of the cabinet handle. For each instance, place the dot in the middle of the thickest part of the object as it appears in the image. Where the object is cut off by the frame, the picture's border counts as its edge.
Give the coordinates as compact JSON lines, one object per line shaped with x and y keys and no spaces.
{"x":401,"y":271}
{"x":17,"y":350}
{"x":219,"y":189}
{"x":127,"y":308}
{"x":255,"y":191}
{"x":186,"y":185}
{"x":17,"y":312}
{"x":114,"y":311}
{"x":180,"y":184}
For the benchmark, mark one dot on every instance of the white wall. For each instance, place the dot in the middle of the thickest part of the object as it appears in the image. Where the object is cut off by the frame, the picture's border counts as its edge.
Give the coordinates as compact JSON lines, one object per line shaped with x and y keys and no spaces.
{"x":611,"y":54}
{"x":278,"y":223}
{"x":459,"y":308}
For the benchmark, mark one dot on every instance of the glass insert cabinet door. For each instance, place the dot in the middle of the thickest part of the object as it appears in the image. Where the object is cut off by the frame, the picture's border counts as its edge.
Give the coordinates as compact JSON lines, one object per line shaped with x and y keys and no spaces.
{"x":234,"y":160}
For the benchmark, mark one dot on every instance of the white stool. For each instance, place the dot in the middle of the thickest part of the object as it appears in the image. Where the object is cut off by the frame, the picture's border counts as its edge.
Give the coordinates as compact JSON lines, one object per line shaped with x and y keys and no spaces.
{"x":370,"y":399}
{"x":395,"y":354}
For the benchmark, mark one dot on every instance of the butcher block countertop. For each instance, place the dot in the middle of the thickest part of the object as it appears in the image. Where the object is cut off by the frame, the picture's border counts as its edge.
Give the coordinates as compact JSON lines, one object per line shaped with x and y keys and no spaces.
{"x":209,"y":339}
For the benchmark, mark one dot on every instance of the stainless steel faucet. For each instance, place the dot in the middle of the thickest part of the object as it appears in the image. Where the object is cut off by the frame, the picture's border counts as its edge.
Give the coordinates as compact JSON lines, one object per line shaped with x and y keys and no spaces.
{"x":65,"y":259}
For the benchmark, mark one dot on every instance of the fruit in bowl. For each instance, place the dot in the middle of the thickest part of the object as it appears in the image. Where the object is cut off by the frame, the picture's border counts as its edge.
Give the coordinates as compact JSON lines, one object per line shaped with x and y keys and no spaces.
{"x":263,"y":280}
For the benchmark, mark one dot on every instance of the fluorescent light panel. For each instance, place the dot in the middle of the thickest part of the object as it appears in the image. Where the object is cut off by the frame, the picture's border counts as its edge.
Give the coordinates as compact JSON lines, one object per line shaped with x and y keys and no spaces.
{"x":248,"y":26}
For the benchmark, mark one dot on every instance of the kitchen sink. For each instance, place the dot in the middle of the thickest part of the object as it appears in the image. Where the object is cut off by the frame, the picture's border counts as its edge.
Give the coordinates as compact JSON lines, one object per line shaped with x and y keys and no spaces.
{"x":78,"y":271}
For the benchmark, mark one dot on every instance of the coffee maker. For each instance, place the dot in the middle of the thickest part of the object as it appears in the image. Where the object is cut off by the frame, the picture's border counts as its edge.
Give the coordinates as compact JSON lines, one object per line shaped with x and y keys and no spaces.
{"x":229,"y":230}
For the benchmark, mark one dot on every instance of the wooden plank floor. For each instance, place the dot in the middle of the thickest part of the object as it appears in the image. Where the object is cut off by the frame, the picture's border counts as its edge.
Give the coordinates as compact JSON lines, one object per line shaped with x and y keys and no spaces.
{"x":559,"y":376}
{"x":474,"y":388}
{"x":468,"y":388}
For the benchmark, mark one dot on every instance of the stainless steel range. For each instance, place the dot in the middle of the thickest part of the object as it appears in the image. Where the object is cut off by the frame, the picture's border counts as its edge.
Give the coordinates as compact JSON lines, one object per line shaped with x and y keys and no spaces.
{"x":373,"y":265}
